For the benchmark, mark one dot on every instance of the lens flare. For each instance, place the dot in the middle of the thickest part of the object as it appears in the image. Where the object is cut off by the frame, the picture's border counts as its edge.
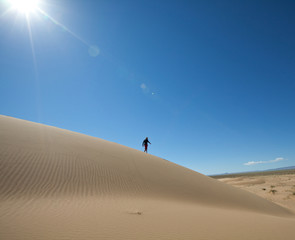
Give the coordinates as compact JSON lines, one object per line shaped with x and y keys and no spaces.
{"x":93,"y":51}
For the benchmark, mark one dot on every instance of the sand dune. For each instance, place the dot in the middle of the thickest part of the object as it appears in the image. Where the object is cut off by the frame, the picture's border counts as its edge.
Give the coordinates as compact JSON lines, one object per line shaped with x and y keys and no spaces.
{"x":58,"y":184}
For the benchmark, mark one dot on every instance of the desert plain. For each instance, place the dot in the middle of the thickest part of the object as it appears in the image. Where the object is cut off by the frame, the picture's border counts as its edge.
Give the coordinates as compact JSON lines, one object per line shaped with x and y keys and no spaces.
{"x":275,"y":186}
{"x":61,"y":185}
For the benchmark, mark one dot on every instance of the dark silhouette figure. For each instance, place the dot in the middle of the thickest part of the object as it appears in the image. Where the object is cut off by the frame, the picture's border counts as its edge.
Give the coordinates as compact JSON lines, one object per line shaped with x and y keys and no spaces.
{"x":145,"y":144}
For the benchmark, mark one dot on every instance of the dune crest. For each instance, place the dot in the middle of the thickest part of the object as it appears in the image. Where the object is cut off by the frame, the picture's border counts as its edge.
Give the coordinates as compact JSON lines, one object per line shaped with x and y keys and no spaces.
{"x":50,"y":175}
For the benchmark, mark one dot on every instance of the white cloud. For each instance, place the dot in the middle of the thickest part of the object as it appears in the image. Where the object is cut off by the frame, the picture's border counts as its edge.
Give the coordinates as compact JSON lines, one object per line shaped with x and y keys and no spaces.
{"x":260,"y":162}
{"x":252,"y":163}
{"x":277,"y":159}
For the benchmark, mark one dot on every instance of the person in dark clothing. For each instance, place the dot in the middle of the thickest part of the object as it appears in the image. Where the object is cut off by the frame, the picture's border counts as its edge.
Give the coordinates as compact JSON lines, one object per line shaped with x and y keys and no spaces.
{"x":145,"y":144}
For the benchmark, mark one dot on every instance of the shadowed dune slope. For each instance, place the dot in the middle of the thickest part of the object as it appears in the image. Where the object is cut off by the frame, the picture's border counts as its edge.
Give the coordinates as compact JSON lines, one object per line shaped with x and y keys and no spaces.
{"x":43,"y":161}
{"x":60,"y":185}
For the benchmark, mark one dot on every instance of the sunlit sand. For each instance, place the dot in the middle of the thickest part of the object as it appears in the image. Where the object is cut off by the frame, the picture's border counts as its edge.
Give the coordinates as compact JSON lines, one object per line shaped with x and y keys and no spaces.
{"x":57,"y":184}
{"x":275,"y":186}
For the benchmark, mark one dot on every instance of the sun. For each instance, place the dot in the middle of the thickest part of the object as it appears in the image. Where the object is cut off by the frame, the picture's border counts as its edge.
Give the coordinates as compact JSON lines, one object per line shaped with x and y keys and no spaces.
{"x":25,"y":6}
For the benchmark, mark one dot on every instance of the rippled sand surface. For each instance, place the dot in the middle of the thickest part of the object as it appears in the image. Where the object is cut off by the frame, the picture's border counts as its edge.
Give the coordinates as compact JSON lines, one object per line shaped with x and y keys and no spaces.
{"x":58,"y":184}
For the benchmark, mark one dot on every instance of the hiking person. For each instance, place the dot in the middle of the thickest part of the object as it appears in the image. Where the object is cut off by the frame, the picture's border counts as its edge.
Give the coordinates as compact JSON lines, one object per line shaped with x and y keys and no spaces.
{"x":145,"y":144}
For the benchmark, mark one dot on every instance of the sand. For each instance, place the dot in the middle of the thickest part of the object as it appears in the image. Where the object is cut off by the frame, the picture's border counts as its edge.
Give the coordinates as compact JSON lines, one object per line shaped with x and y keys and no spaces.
{"x":58,"y":184}
{"x":275,"y":186}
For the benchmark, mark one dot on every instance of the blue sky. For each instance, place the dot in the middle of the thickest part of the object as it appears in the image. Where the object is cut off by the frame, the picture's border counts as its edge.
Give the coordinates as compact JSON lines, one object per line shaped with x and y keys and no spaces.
{"x":211,"y":83}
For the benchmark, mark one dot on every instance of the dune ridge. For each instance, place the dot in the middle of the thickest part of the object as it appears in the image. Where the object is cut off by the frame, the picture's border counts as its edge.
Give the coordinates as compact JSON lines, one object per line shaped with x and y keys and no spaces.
{"x":50,"y":177}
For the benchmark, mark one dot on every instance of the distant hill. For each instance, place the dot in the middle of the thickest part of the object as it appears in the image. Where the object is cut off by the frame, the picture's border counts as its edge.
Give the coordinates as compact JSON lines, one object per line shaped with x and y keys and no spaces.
{"x":284,"y":168}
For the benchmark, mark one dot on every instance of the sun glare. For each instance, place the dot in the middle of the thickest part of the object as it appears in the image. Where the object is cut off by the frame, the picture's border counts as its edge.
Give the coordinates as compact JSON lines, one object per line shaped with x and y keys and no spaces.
{"x":25,"y":6}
